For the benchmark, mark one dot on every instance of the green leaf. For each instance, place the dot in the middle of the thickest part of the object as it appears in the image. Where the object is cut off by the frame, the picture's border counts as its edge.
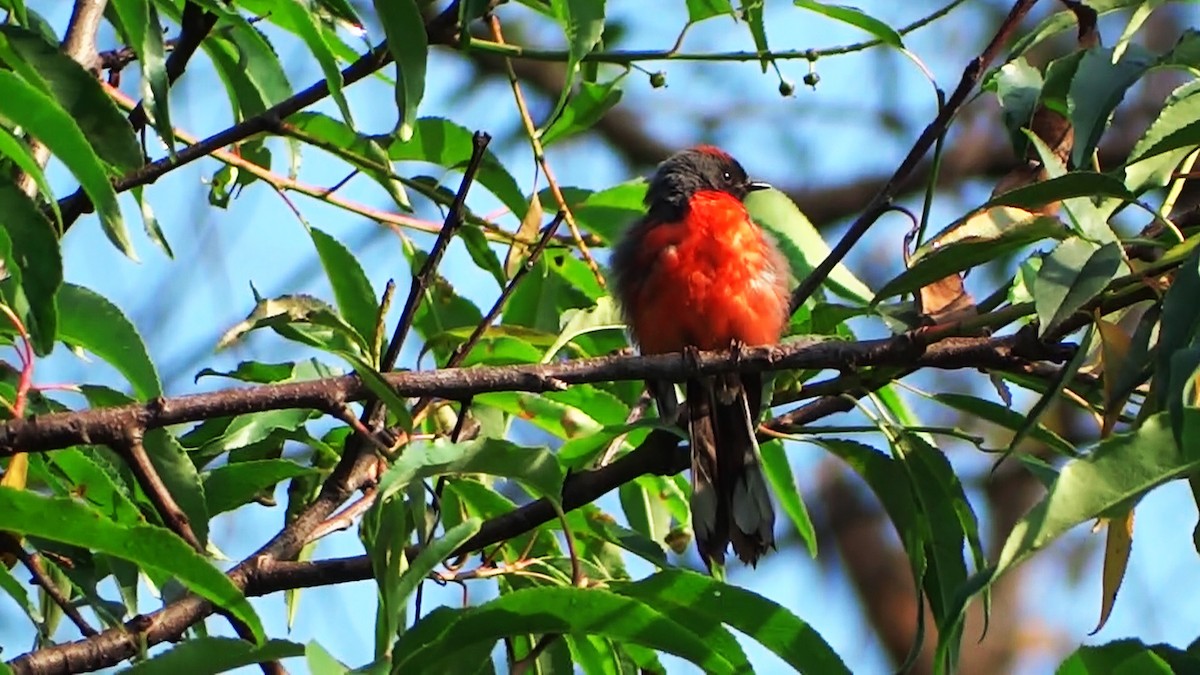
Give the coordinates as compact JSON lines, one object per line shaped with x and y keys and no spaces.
{"x":213,"y":655}
{"x":303,"y":319}
{"x":948,"y":512}
{"x":89,"y":321}
{"x":245,"y":430}
{"x":355,"y":298}
{"x":229,"y":486}
{"x":583,"y":23}
{"x":545,"y":295}
{"x":409,"y":45}
{"x":44,"y":66}
{"x":449,"y":145}
{"x":1122,"y":469}
{"x":609,"y":212}
{"x":17,"y":151}
{"x":801,"y":243}
{"x":976,"y":239}
{"x":1097,"y":89}
{"x":180,"y":477}
{"x":857,"y":18}
{"x":35,"y":254}
{"x":575,"y":322}
{"x":1180,"y":323}
{"x":702,"y":601}
{"x":1067,"y":186}
{"x":365,"y":153}
{"x":1018,"y":85}
{"x":139,"y":26}
{"x":473,"y":499}
{"x":64,"y":520}
{"x":534,"y":466}
{"x":1006,"y":417}
{"x":265,"y":373}
{"x":481,"y":252}
{"x":385,"y":530}
{"x":36,"y":112}
{"x":1072,"y":274}
{"x":1129,"y":657}
{"x":590,"y":520}
{"x":783,"y":484}
{"x":431,"y":556}
{"x":1059,"y":22}
{"x":150,"y":222}
{"x":1172,"y":135}
{"x":584,"y":109}
{"x":302,"y":19}
{"x":752,"y":14}
{"x":16,"y":590}
{"x":551,"y":610}
{"x":699,"y":10}
{"x":97,"y":482}
{"x":321,"y":662}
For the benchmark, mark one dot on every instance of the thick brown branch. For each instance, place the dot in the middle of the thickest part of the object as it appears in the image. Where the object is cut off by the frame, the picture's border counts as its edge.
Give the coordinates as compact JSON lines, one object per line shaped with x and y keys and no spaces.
{"x":110,"y":425}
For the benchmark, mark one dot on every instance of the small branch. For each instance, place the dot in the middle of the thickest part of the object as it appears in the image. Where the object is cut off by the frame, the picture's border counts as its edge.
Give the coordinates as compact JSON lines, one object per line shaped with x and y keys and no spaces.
{"x":625,"y":57}
{"x":463,"y":350}
{"x":33,"y":563}
{"x":421,"y":281}
{"x":134,"y":453}
{"x":522,"y":666}
{"x":539,"y":155}
{"x":442,"y":29}
{"x":880,"y":203}
{"x":345,"y":518}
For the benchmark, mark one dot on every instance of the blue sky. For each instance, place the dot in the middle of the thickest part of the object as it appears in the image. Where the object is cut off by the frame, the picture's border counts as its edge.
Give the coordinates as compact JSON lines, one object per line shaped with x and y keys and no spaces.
{"x":816,"y":137}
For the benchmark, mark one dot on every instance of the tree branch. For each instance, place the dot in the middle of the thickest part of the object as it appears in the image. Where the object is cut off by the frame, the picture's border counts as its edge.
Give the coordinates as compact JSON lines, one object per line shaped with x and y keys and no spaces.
{"x":110,"y":425}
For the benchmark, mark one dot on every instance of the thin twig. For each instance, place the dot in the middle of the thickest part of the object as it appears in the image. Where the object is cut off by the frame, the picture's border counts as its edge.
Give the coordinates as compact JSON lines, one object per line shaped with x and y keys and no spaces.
{"x":539,"y":155}
{"x":345,"y":518}
{"x":625,"y":57}
{"x":461,"y":352}
{"x":134,"y":452}
{"x":442,"y":29}
{"x":878,"y":205}
{"x":522,"y":666}
{"x":33,"y":563}
{"x":421,"y":280}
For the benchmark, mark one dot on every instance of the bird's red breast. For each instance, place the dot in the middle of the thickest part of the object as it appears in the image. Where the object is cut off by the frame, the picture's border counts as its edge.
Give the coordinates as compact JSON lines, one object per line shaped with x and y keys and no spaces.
{"x":708,"y":279}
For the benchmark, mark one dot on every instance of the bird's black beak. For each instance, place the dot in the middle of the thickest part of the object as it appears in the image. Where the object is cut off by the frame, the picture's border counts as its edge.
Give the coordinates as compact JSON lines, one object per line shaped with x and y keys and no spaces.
{"x":756,"y":185}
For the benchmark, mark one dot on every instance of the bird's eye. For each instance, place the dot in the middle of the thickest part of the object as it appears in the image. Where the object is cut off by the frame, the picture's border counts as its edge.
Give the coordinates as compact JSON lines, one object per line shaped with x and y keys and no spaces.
{"x":727,"y":177}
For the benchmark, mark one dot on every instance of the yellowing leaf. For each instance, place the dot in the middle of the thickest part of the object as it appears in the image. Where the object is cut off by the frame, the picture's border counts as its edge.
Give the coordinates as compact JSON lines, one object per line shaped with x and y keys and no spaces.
{"x":1114,"y":349}
{"x":1117,"y":545}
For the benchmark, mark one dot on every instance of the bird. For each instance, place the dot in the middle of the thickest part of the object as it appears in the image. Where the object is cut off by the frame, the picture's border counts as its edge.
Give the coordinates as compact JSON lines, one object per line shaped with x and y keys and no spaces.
{"x":697,"y":273}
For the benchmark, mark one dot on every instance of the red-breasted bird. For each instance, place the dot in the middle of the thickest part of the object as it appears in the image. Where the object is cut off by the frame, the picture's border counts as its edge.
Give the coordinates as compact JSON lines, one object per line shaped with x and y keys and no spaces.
{"x":697,"y":273}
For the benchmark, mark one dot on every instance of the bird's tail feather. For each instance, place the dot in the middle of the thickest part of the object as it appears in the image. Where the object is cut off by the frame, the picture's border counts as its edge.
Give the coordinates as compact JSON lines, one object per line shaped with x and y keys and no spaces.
{"x":731,"y":502}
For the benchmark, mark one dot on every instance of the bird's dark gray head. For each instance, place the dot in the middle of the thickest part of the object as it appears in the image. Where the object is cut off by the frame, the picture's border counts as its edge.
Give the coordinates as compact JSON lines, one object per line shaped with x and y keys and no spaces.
{"x":694,"y":170}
